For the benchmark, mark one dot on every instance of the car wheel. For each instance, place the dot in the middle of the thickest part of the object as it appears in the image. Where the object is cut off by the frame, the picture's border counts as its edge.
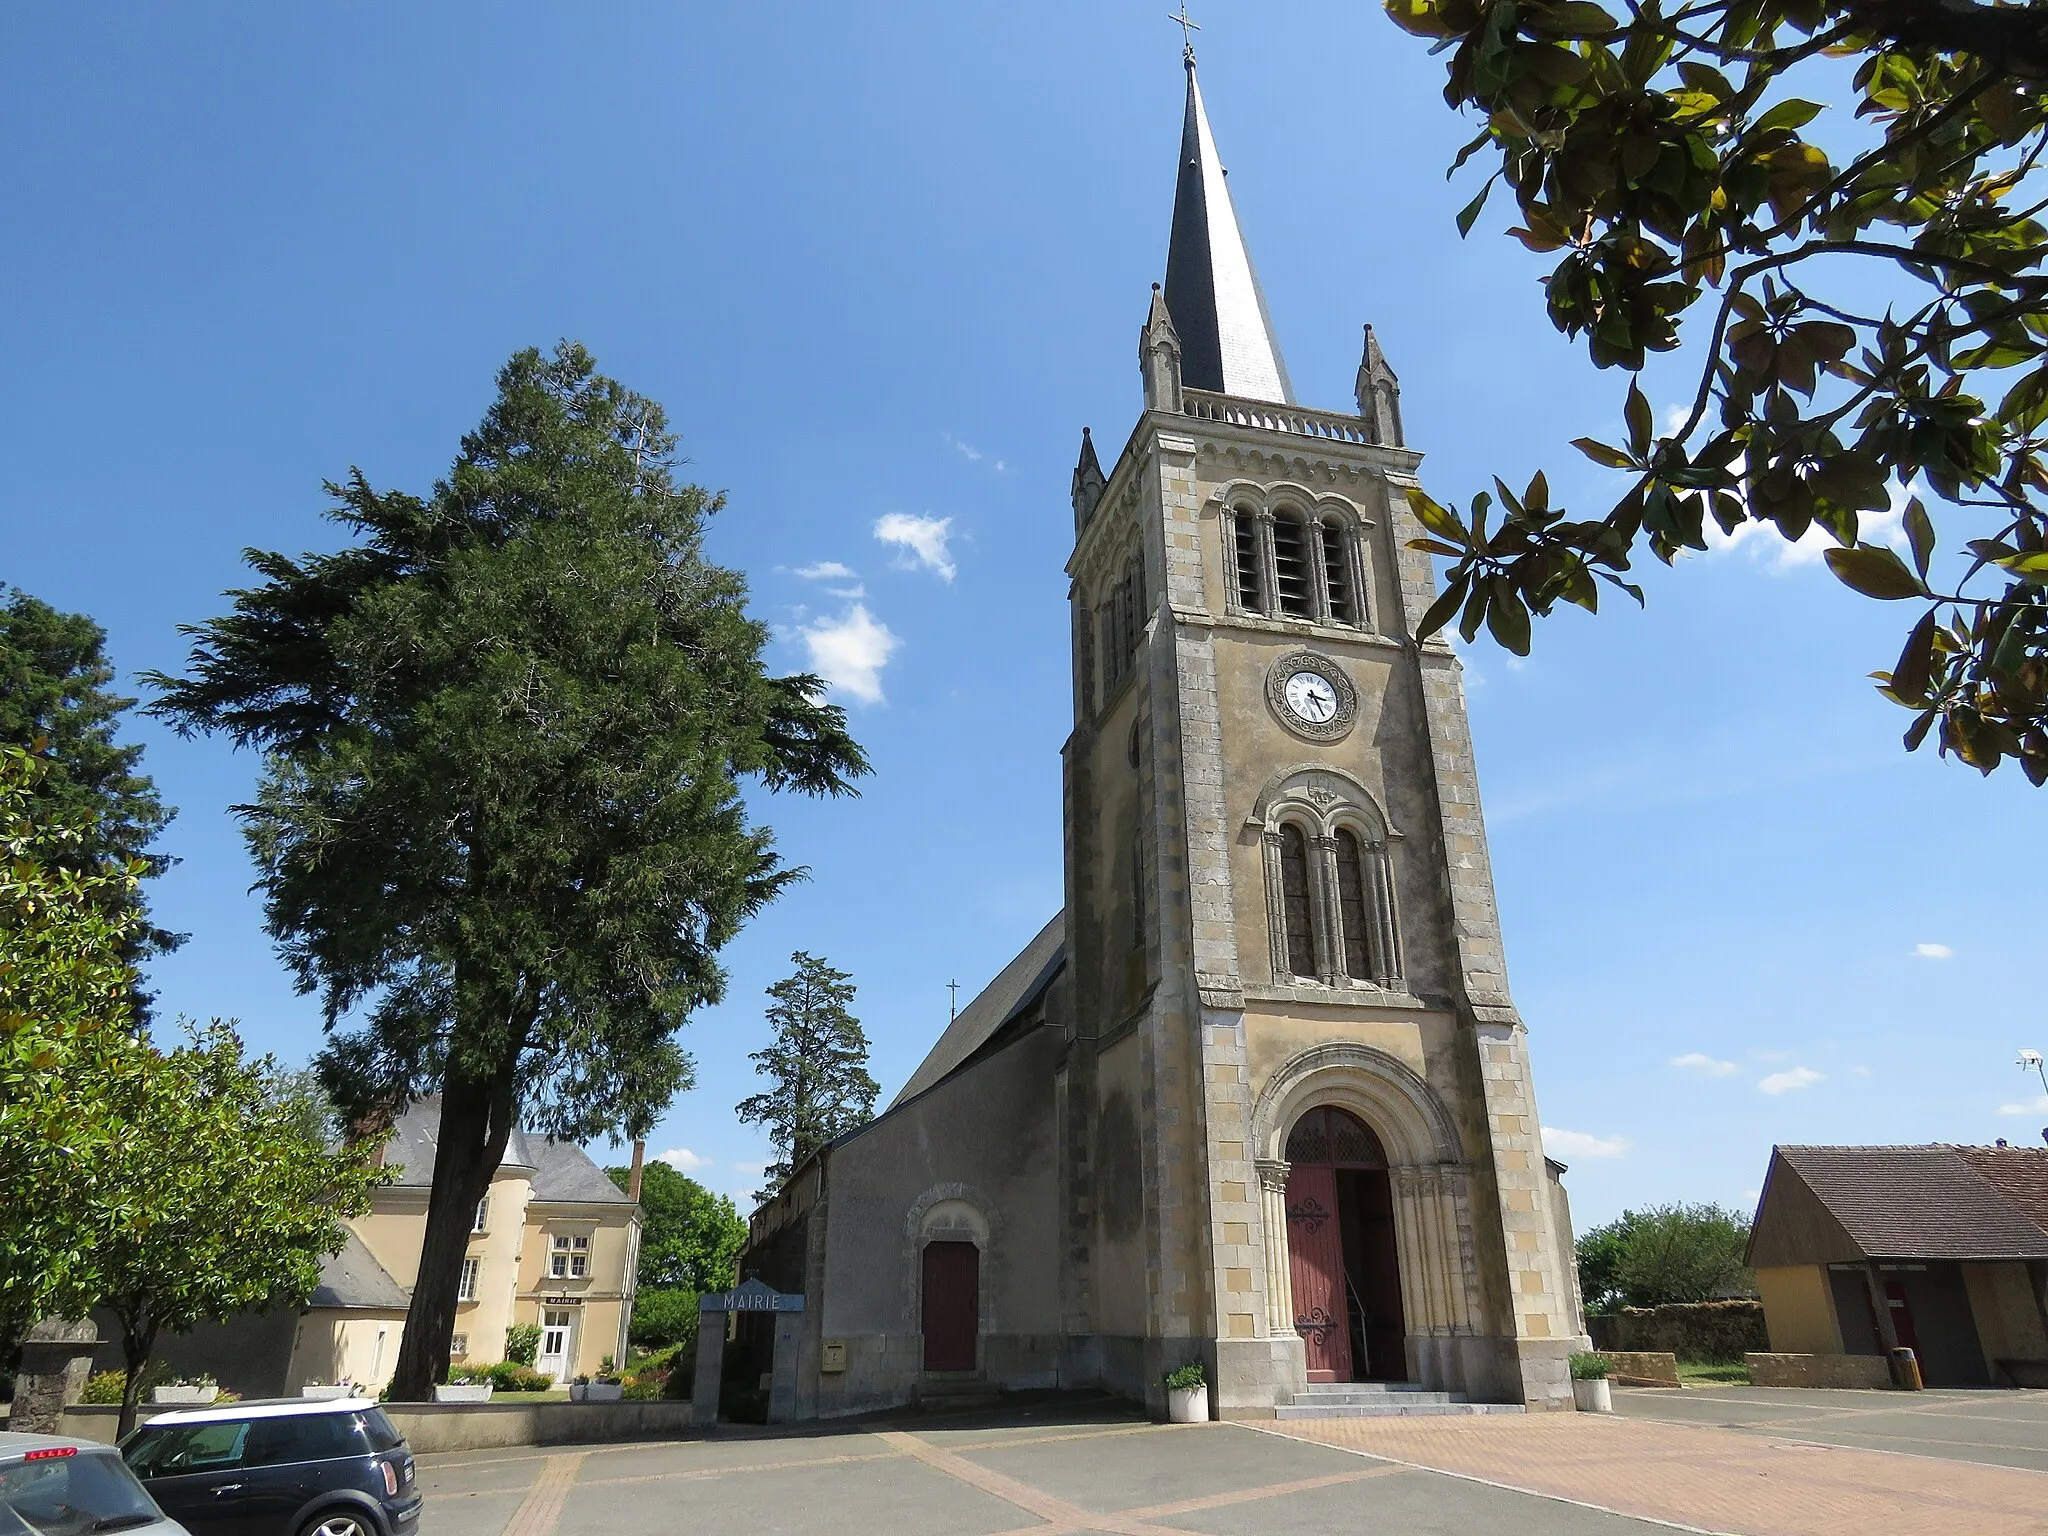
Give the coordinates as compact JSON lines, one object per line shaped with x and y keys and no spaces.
{"x":339,"y":1522}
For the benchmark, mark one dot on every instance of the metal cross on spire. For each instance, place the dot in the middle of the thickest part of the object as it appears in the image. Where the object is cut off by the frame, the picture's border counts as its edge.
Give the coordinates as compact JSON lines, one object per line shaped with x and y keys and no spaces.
{"x":1188,"y":29}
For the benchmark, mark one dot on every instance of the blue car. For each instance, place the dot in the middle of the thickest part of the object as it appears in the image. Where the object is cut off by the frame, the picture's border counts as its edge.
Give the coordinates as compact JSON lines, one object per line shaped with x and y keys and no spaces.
{"x":294,"y":1467}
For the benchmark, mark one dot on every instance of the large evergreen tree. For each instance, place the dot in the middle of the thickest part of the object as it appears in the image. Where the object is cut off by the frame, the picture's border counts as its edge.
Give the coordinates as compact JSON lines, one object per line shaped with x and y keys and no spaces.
{"x":500,"y":825}
{"x":54,"y":690}
{"x":817,"y":1067}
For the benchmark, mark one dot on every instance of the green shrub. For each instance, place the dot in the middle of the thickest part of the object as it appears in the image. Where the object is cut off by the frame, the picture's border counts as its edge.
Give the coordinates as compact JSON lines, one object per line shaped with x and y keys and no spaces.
{"x":1190,"y":1375}
{"x":522,"y":1343}
{"x":1588,"y":1367}
{"x":663,"y":1317}
{"x":510,"y":1376}
{"x":106,"y":1387}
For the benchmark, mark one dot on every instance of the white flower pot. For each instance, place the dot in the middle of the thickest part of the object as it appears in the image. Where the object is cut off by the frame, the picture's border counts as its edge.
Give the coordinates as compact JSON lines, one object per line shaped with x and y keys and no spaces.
{"x":1188,"y":1405}
{"x":448,"y":1394}
{"x":1593,"y":1396}
{"x":327,"y":1394}
{"x":184,"y":1396}
{"x":604,"y":1392}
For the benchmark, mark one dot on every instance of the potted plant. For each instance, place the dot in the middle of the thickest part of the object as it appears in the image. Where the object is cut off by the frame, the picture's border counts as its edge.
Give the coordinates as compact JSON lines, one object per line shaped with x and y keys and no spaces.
{"x":605,"y":1385}
{"x":1187,"y":1394}
{"x":578,"y":1387}
{"x":186,"y":1391}
{"x":464,"y":1387}
{"x":1591,"y":1392}
{"x":325,"y":1390}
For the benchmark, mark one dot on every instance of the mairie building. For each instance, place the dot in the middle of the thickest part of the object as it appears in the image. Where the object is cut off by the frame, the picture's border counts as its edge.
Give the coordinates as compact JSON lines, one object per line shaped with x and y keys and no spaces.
{"x":1258,"y":1096}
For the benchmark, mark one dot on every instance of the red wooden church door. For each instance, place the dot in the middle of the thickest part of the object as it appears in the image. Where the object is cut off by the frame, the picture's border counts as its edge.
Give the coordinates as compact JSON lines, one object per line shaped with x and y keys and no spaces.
{"x":1315,"y":1263}
{"x":952,"y":1306}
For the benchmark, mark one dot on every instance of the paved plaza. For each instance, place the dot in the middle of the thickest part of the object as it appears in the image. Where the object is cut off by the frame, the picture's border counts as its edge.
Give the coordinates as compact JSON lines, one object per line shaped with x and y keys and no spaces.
{"x":1738,"y":1460}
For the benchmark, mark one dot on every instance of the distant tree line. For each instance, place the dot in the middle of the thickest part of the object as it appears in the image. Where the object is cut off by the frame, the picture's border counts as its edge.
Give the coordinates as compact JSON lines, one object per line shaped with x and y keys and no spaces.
{"x":1663,"y":1254}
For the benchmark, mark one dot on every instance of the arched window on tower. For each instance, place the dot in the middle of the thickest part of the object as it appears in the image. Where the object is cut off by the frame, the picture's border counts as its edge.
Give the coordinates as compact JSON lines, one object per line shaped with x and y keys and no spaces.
{"x":1335,"y":540}
{"x":1295,"y":578}
{"x":1353,"y":913}
{"x":1294,"y":901}
{"x":1245,"y":542}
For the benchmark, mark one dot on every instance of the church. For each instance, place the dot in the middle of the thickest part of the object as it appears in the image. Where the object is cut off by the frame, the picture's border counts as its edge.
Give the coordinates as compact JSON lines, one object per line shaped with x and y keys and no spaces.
{"x":1258,"y":1097}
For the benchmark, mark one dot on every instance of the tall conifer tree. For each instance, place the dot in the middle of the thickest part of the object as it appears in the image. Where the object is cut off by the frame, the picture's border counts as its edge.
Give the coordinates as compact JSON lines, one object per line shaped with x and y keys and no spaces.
{"x":500,"y":826}
{"x":817,"y":1064}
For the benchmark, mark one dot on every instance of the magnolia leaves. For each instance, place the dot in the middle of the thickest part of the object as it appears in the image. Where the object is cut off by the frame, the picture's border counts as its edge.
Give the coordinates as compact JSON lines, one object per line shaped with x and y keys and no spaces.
{"x":1851,"y":283}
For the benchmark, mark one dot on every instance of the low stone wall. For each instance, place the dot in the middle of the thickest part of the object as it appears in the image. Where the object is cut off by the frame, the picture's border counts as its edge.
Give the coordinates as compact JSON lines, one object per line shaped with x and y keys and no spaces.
{"x":1641,"y":1368}
{"x":1694,"y":1330}
{"x":472,"y":1426}
{"x":1840,"y":1371}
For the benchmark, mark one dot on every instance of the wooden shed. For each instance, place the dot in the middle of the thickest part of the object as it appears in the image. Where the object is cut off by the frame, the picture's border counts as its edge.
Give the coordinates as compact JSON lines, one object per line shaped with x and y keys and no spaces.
{"x":1942,"y":1249}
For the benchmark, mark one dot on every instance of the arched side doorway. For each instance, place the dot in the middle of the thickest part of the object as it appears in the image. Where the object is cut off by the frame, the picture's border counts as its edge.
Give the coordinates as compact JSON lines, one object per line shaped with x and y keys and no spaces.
{"x":1343,"y":1257}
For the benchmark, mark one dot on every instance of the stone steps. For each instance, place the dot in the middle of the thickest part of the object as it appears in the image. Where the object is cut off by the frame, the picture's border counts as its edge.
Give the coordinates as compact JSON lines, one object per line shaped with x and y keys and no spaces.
{"x":1381,"y":1400}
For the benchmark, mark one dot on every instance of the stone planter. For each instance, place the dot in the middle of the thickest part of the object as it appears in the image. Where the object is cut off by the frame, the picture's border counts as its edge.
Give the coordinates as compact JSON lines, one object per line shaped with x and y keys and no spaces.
{"x":577,"y":1389}
{"x":327,"y":1394}
{"x":186,"y":1397}
{"x":1593,"y":1396}
{"x":604,"y":1392}
{"x":477,"y":1394}
{"x":1187,"y":1405}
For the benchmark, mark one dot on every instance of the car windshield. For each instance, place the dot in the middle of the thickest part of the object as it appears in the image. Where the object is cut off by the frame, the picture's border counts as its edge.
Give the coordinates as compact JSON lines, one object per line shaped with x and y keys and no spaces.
{"x":72,"y":1496}
{"x":165,"y":1450}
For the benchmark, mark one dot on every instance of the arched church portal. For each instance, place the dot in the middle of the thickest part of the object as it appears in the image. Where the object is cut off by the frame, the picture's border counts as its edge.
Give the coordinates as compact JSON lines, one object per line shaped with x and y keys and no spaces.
{"x":1343,"y":1259}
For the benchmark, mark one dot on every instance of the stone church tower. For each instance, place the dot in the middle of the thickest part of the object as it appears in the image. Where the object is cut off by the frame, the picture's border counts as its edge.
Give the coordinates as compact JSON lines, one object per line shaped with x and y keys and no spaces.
{"x":1258,"y":1096}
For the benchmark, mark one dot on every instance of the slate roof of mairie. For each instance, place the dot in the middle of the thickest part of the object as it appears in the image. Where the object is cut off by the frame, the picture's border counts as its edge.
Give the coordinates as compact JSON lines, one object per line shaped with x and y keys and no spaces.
{"x":354,"y":1278}
{"x":1928,"y":1202}
{"x":562,"y":1171}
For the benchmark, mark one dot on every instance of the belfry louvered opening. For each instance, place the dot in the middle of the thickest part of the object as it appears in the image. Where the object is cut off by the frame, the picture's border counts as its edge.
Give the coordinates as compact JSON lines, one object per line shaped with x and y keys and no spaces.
{"x":1336,"y":571}
{"x":1294,"y":579}
{"x":1247,"y":543}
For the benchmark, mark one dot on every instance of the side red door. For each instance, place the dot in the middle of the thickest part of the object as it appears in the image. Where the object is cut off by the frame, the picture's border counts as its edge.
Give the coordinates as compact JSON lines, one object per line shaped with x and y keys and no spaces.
{"x":952,"y":1306}
{"x":1315,"y":1263}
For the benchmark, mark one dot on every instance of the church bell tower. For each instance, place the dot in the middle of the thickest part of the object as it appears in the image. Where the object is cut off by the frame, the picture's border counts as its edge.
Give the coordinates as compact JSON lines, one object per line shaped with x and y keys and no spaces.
{"x":1298,"y":1135}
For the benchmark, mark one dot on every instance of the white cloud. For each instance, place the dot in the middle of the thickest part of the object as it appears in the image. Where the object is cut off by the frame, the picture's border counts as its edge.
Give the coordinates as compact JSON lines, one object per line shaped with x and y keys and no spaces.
{"x":850,"y":652}
{"x":2033,"y":1107}
{"x":1786,"y":1082}
{"x":683,"y":1160}
{"x":1933,"y":951}
{"x":1763,"y":541}
{"x":923,"y":537}
{"x":852,"y":594}
{"x":968,"y":451}
{"x":1561,"y":1144}
{"x":1860,"y":1071}
{"x":826,"y":570}
{"x":1698,"y":1061}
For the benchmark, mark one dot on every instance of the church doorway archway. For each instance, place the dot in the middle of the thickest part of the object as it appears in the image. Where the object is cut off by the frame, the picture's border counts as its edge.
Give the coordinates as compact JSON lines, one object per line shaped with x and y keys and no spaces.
{"x":1342,"y":1259}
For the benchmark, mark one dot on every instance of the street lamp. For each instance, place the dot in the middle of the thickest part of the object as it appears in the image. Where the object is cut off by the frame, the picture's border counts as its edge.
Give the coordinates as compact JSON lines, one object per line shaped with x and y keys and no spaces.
{"x":2033,"y":1059}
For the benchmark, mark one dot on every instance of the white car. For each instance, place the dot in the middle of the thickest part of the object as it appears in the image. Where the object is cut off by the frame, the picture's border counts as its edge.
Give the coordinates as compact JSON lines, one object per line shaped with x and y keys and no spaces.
{"x":51,"y":1485}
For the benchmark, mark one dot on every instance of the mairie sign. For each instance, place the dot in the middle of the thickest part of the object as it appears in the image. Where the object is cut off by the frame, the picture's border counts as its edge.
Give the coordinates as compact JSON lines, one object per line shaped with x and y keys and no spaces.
{"x":754,"y":1296}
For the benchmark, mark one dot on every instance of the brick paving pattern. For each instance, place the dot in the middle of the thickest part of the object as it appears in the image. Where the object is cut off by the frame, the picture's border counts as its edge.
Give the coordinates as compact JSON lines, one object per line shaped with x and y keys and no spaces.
{"x":1704,"y":1478}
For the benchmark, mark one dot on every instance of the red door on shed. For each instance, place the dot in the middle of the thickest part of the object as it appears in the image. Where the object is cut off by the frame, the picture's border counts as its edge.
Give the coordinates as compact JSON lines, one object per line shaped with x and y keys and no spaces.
{"x":952,"y":1305}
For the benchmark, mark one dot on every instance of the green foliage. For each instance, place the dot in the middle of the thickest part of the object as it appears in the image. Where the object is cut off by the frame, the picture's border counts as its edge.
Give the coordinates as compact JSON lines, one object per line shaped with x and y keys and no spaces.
{"x":67,"y":991}
{"x":663,"y":1317}
{"x":1713,"y":1373}
{"x":1662,"y":153}
{"x":213,"y":1198}
{"x":1589,"y":1367}
{"x":1663,"y":1254}
{"x":690,"y":1238}
{"x":506,"y":732}
{"x":817,"y":1066}
{"x":522,"y":1343}
{"x":54,"y":700}
{"x":1182,"y":1378}
{"x":511,"y":1376}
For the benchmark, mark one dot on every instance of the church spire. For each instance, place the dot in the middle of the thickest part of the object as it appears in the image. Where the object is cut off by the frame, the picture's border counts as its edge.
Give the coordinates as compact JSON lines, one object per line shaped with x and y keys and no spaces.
{"x":1212,"y":291}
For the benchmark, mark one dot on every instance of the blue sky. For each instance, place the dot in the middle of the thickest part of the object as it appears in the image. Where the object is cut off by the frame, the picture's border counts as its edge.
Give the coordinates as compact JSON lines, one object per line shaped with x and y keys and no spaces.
{"x":881,"y":263}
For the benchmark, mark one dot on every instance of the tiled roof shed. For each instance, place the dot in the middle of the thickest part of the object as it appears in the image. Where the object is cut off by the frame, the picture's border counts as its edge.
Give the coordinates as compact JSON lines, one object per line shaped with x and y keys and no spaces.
{"x":1831,"y":1205}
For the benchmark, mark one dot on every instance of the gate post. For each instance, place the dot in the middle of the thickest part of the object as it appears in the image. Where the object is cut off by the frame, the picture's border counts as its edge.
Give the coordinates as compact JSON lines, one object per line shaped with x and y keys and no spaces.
{"x":711,"y":1318}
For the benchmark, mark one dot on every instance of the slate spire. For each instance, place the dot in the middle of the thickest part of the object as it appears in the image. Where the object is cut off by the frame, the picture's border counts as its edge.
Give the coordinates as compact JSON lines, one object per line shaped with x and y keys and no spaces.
{"x":1212,"y":290}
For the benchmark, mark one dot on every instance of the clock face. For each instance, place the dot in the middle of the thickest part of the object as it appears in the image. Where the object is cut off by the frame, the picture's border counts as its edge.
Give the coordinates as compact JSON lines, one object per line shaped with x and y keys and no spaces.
{"x":1311,"y":698}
